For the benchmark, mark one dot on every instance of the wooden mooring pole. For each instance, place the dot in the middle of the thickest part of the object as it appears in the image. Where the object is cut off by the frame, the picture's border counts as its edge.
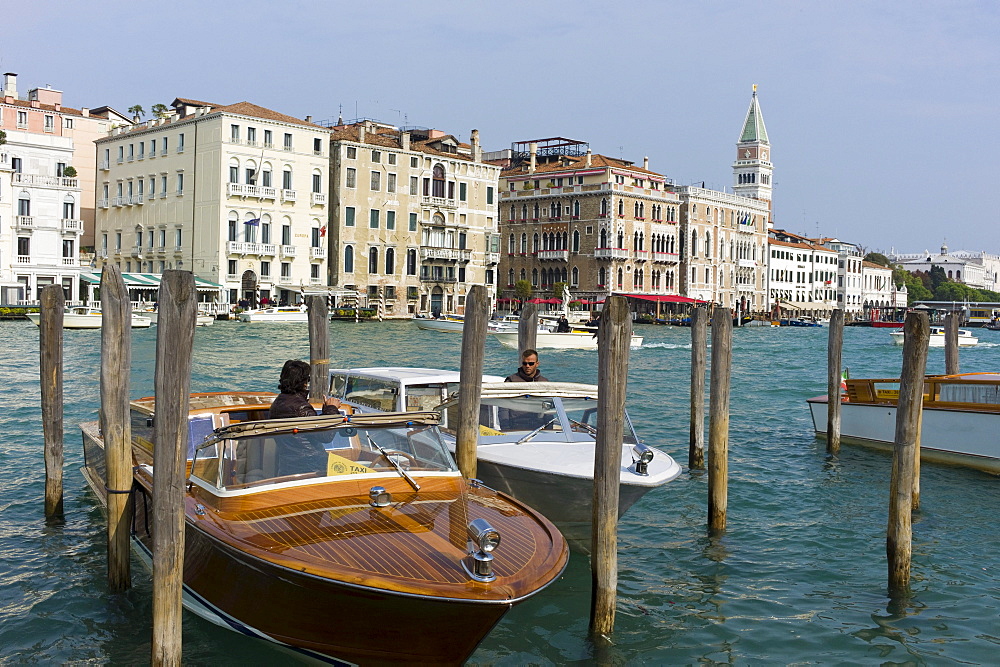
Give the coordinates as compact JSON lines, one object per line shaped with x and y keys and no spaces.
{"x":174,"y":343}
{"x":718,"y":419}
{"x":527,"y":329}
{"x":470,"y":387}
{"x":905,"y":452}
{"x":951,"y":344}
{"x":116,"y":426}
{"x":833,"y":378}
{"x":699,"y":354}
{"x":50,"y":371}
{"x":319,"y":346}
{"x":613,"y":339}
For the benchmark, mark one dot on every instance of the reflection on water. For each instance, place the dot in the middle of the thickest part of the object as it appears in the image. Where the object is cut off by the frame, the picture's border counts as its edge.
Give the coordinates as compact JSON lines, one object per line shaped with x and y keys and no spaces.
{"x":799,"y":575}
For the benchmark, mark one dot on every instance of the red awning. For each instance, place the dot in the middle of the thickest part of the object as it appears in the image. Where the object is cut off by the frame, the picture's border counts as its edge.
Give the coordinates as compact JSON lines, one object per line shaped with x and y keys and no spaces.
{"x":544,"y":300}
{"x":663,"y":298}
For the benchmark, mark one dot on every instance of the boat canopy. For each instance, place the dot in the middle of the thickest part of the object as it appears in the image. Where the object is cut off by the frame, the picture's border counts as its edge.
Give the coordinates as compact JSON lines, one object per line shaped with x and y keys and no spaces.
{"x":298,"y":424}
{"x":546,"y":389}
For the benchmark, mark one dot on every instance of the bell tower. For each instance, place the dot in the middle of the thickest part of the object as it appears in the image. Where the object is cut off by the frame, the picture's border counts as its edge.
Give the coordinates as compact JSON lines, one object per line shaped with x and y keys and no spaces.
{"x":752,"y":169}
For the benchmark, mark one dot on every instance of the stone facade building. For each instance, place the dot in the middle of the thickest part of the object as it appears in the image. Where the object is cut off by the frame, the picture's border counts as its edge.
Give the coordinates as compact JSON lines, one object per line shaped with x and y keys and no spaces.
{"x":413,"y":218}
{"x":235,"y":193}
{"x":600,"y":225}
{"x":46,"y":216}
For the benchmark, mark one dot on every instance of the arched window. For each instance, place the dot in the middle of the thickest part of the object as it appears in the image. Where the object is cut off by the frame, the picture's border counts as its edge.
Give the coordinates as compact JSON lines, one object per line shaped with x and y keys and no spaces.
{"x":286,"y":178}
{"x":524,"y":243}
{"x":438,"y":179}
{"x":69,"y":207}
{"x":708,"y":246}
{"x":621,"y":239}
{"x":621,"y":278}
{"x":349,"y":259}
{"x":534,"y":277}
{"x":510,"y":278}
{"x":601,"y":277}
{"x":250,"y":224}
{"x":511,"y":245}
{"x":24,"y":203}
{"x":621,"y":207}
{"x":535,"y":212}
{"x":604,"y":238}
{"x":534,"y":243}
{"x":576,"y":208}
{"x":524,"y":212}
{"x":411,"y":262}
{"x":234,"y":170}
{"x":524,"y":274}
{"x":390,"y":261}
{"x":513,"y":210}
{"x":373,"y":261}
{"x":604,"y":207}
{"x":576,"y":277}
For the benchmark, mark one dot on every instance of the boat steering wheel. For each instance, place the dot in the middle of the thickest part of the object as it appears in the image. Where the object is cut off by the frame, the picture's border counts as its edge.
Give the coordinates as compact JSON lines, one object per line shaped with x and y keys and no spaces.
{"x":411,"y":460}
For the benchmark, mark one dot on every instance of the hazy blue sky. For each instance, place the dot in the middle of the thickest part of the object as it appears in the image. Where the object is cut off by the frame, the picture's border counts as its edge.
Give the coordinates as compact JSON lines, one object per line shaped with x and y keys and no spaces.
{"x":883,"y":116}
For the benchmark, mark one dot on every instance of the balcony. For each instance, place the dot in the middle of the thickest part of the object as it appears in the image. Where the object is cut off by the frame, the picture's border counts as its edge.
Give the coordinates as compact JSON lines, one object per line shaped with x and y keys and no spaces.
{"x":103,"y":253}
{"x":232,"y":277}
{"x":70,"y":261}
{"x":438,"y":202}
{"x":23,"y":259}
{"x":46,"y":181}
{"x":464,"y":255}
{"x":24,"y":221}
{"x":258,"y":191}
{"x":250,"y":248}
{"x":666,"y":257}
{"x":430,"y":252}
{"x":118,"y":201}
{"x":287,"y":250}
{"x":315,"y":281}
{"x":437,"y":278}
{"x":640,"y":255}
{"x":136,"y":252}
{"x":561,"y":255}
{"x":610,"y":253}
{"x":288,"y":195}
{"x":71,"y":225}
{"x":104,"y":166}
{"x":137,"y":199}
{"x":102,"y":203}
{"x":492,"y":258}
{"x":317,"y":253}
{"x":318,"y":199}
{"x":746,"y":264}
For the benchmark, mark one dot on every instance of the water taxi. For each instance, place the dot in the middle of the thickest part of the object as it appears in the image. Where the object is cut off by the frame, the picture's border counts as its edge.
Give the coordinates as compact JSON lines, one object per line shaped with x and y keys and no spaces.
{"x":965,"y":338}
{"x":276,"y":314}
{"x":85,"y":317}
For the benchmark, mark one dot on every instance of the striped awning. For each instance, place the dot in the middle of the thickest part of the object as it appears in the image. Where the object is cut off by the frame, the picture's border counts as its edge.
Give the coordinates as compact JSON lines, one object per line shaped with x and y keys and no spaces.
{"x":148,"y":281}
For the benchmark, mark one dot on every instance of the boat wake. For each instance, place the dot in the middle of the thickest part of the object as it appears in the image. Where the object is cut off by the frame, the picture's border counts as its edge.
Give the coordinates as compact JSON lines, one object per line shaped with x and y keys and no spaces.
{"x":668,"y":346}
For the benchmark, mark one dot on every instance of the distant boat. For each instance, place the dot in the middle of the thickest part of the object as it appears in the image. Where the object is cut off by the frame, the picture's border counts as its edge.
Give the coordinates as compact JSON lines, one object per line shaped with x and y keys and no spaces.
{"x":342,"y":538}
{"x":85,"y":317}
{"x":577,"y":339}
{"x":201,"y":319}
{"x":965,"y":338}
{"x":276,"y":314}
{"x":448,"y":323}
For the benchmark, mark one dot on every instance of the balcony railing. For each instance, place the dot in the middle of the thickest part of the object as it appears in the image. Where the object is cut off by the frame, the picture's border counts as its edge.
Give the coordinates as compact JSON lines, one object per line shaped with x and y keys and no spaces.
{"x":640,"y":255}
{"x":315,"y":281}
{"x":48,"y":181}
{"x":440,"y":202}
{"x":250,"y":248}
{"x":610,"y":253}
{"x":71,"y":225}
{"x":492,"y":258}
{"x":69,"y":261}
{"x":438,"y":279}
{"x":104,"y":166}
{"x":259,"y":191}
{"x":287,"y":250}
{"x":23,"y":259}
{"x":430,"y":252}
{"x":118,"y":201}
{"x":138,"y":199}
{"x":746,"y":263}
{"x":24,"y":221}
{"x":317,"y":253}
{"x":102,"y":253}
{"x":318,"y":199}
{"x":136,"y":252}
{"x":464,"y":255}
{"x":102,"y":203}
{"x":288,"y":195}
{"x":668,"y":257}
{"x":562,"y":255}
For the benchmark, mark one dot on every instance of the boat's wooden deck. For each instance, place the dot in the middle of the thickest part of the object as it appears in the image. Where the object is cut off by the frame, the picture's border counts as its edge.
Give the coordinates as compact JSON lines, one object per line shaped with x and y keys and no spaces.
{"x":971,"y":392}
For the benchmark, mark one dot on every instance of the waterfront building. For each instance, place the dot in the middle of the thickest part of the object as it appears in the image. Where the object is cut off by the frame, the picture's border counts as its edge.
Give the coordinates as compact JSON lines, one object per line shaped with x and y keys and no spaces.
{"x":801,"y":275}
{"x":879,"y":294}
{"x":975,"y":269}
{"x":235,"y":193}
{"x":598,"y":224}
{"x":413,"y":217}
{"x":46,"y":216}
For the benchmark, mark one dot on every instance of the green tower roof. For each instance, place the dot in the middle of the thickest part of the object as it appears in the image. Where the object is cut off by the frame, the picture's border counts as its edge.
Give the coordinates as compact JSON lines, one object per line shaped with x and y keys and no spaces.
{"x":753,"y":127}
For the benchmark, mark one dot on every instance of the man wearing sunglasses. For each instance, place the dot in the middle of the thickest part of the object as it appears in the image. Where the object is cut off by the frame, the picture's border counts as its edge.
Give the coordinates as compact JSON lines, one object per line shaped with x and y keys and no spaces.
{"x":528,"y":372}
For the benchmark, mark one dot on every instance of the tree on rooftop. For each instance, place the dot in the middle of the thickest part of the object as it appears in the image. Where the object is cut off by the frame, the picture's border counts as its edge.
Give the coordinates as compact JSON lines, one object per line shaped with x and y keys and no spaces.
{"x":159,"y":110}
{"x":137,"y":111}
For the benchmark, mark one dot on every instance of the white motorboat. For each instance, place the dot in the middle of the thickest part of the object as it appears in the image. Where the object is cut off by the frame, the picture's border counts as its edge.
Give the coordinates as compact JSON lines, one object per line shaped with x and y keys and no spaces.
{"x":201,"y":319}
{"x":449,"y":323}
{"x":965,"y":338}
{"x":536,"y":440}
{"x":85,"y":317}
{"x":959,"y":423}
{"x":572,"y":340}
{"x":276,"y":314}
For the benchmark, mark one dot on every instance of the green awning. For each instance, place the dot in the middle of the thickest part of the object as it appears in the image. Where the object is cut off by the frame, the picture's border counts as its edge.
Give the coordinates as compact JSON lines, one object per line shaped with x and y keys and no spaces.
{"x":148,"y":280}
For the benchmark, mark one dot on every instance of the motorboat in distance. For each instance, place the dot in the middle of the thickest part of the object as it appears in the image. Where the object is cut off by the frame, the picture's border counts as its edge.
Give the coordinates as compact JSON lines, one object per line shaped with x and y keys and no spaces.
{"x":965,"y":338}
{"x":85,"y":317}
{"x":276,"y":314}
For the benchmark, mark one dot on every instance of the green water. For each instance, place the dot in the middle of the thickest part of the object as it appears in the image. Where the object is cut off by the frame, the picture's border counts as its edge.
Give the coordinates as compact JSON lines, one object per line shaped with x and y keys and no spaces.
{"x":799,"y":576}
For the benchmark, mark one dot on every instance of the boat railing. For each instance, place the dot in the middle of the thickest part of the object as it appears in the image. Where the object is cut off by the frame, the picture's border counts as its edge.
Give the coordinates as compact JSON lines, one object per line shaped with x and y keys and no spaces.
{"x":960,"y":393}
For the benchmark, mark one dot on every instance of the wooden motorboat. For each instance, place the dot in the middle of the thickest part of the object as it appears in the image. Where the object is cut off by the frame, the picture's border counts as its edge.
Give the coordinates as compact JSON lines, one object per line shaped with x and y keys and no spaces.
{"x":959,"y":423}
{"x":85,"y":317}
{"x":551,"y":468}
{"x":965,"y":338}
{"x":343,"y":538}
{"x":276,"y":314}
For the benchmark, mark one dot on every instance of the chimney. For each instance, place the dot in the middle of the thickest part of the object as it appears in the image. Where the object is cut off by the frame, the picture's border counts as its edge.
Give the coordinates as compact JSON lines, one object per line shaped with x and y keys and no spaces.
{"x":477,"y":151}
{"x":361,"y":132}
{"x":85,"y":112}
{"x":404,"y":141}
{"x":533,"y":151}
{"x":10,"y":84}
{"x":645,"y":163}
{"x":309,"y":119}
{"x":589,"y":158}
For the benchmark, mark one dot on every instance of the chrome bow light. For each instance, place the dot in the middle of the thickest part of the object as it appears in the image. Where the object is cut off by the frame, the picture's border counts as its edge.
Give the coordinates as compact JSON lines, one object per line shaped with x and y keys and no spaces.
{"x":641,"y":456}
{"x":379,"y":497}
{"x":485,"y":539}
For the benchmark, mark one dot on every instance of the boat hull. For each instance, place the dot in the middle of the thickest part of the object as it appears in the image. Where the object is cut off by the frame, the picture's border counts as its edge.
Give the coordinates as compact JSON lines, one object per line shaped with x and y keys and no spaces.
{"x":961,"y":437}
{"x":559,"y":341}
{"x":430,"y":324}
{"x":94,"y":321}
{"x":280,"y":314}
{"x":937,"y":340}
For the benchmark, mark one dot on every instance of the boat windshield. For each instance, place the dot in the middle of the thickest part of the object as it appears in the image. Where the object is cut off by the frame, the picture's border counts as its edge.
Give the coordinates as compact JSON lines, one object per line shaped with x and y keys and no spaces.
{"x":549,"y":418}
{"x":273,"y":458}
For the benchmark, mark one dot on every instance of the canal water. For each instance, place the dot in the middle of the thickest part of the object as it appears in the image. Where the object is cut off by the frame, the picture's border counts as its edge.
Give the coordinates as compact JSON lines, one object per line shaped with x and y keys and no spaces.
{"x":799,"y":577}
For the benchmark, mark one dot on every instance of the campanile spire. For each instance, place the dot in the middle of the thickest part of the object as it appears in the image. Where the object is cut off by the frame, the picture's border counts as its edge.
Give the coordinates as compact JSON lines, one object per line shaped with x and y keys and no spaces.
{"x":752,"y":169}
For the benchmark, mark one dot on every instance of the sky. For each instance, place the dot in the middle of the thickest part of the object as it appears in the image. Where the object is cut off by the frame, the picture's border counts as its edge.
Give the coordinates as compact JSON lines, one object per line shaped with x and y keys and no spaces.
{"x":883,"y":116}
